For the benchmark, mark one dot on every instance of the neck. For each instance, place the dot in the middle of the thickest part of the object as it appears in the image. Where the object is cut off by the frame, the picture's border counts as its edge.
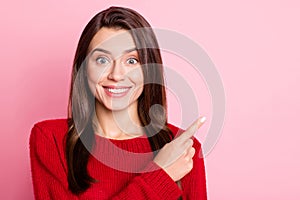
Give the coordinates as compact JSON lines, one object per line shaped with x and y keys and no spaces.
{"x":119,"y":124}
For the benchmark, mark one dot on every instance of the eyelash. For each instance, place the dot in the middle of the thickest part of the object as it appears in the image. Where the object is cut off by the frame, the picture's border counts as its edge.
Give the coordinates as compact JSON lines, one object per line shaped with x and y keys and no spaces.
{"x":136,"y":60}
{"x":107,"y":60}
{"x":102,"y":57}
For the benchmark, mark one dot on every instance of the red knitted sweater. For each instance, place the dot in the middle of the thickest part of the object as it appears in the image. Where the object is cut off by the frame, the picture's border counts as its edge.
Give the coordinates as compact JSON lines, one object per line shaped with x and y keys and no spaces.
{"x":124,"y":168}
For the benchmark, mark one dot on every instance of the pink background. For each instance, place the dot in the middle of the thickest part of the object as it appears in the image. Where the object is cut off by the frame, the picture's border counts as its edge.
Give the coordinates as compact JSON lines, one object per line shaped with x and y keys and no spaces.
{"x":254,"y":45}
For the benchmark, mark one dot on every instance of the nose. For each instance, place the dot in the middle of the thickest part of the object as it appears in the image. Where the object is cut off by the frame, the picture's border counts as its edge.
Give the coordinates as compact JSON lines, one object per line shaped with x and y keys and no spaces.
{"x":117,"y":71}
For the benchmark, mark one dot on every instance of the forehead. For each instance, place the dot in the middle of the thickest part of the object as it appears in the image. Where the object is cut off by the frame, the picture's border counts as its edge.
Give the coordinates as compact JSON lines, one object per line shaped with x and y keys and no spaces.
{"x":113,"y":40}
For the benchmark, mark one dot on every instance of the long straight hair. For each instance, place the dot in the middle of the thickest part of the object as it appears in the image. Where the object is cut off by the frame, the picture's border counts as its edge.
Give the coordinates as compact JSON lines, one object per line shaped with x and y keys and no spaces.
{"x":77,"y":153}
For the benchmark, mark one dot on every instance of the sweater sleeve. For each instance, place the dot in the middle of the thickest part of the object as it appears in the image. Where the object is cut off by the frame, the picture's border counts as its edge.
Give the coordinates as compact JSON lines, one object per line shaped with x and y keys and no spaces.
{"x":194,"y":183}
{"x":154,"y":184}
{"x":48,"y":174}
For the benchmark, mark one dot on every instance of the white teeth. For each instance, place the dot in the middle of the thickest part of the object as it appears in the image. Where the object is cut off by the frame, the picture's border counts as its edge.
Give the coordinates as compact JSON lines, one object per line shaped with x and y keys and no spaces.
{"x":117,"y":91}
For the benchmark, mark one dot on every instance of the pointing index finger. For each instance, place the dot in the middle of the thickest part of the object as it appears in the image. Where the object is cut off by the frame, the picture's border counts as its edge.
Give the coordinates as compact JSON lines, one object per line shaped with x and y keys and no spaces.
{"x":191,"y":130}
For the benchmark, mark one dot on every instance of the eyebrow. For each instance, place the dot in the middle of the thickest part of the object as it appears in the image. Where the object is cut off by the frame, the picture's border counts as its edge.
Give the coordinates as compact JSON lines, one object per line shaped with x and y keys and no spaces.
{"x":108,"y":52}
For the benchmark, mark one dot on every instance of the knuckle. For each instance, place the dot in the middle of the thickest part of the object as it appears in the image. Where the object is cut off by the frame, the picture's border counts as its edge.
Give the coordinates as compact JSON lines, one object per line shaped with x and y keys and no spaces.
{"x":190,"y":166}
{"x":185,"y":152}
{"x":190,"y":141}
{"x":193,"y":151}
{"x":187,"y":158}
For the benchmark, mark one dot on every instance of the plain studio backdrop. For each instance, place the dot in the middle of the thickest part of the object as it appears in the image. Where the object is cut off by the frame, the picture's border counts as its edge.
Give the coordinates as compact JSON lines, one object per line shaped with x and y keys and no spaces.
{"x":253,"y":44}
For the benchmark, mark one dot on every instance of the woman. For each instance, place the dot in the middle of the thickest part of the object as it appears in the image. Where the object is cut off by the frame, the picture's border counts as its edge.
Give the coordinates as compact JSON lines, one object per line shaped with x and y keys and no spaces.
{"x":116,"y":143}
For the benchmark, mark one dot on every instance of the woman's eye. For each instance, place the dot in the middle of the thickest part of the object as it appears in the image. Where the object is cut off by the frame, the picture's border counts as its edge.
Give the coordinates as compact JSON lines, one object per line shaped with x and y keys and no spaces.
{"x":132,"y":61}
{"x":102,"y":60}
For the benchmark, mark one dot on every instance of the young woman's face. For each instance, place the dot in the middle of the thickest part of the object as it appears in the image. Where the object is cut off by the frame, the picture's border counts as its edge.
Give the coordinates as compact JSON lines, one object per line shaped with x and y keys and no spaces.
{"x":114,"y":71}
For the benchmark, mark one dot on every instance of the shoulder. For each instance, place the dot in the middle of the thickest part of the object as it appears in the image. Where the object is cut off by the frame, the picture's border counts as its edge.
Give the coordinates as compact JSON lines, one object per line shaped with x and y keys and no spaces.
{"x":46,"y":145}
{"x":52,"y":130}
{"x":52,"y":124}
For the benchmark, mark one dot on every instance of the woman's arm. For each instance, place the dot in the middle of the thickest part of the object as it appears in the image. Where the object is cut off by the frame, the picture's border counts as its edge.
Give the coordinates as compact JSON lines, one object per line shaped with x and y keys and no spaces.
{"x":48,"y":174}
{"x":194,"y":183}
{"x":155,"y":184}
{"x":176,"y":164}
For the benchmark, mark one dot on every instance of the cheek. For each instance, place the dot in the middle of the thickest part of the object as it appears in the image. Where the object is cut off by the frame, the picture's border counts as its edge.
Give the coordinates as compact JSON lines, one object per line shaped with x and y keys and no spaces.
{"x":95,"y":73}
{"x":94,"y":76}
{"x":137,"y":76}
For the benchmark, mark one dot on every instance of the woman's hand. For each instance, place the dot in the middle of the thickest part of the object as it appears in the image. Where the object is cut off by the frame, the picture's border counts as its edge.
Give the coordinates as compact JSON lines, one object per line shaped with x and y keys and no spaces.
{"x":176,"y":157}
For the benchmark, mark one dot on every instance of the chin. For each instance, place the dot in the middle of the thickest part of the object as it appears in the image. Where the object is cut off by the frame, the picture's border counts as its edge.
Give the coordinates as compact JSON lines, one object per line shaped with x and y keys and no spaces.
{"x":118,"y":106}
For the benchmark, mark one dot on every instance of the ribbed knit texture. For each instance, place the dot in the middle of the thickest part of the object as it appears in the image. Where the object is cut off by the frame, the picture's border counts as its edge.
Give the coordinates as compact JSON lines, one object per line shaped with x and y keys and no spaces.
{"x":124,"y":168}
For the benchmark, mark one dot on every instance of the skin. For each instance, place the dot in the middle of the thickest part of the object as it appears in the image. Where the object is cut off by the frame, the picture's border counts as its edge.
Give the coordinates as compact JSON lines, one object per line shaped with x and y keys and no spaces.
{"x":176,"y":157}
{"x":112,"y":61}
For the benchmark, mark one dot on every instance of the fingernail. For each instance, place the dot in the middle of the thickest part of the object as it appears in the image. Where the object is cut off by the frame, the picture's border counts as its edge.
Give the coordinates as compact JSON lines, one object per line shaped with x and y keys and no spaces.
{"x":202,"y":119}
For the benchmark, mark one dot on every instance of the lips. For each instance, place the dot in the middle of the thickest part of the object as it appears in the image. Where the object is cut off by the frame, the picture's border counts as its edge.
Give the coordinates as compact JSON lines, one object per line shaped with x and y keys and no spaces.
{"x":116,"y":91}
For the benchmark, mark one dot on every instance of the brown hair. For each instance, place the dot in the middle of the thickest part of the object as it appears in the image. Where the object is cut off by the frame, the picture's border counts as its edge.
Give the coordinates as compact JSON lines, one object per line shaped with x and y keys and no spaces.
{"x":80,"y":99}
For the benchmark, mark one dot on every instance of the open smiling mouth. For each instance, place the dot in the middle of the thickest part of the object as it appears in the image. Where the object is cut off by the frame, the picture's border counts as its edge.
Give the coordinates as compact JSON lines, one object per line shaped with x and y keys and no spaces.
{"x":114,"y":91}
